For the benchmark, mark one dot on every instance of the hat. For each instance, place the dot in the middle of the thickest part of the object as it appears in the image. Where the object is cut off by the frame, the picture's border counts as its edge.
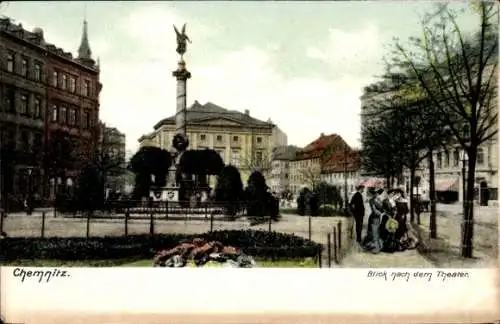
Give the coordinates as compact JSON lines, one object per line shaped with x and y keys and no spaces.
{"x":379,"y":191}
{"x":371,"y":191}
{"x":358,"y":187}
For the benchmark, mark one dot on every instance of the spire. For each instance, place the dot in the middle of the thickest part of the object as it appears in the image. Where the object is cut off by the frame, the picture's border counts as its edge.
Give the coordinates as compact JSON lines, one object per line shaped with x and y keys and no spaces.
{"x":84,"y":52}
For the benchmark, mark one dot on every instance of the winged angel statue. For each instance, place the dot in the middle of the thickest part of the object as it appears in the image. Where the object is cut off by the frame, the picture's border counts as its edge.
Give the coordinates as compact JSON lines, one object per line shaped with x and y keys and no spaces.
{"x":182,"y":40}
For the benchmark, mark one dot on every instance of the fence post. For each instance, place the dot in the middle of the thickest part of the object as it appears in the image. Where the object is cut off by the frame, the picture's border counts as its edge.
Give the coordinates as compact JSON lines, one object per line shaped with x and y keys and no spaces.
{"x":211,"y":222}
{"x":127,"y":214}
{"x":166,"y":210}
{"x":319,"y":257}
{"x":339,"y":232}
{"x":55,"y":211}
{"x":329,"y":247}
{"x":151,"y":223}
{"x":88,"y":223}
{"x":206,"y":210}
{"x":335,"y":257}
{"x":270,"y":221}
{"x":310,"y":227}
{"x":42,"y":234}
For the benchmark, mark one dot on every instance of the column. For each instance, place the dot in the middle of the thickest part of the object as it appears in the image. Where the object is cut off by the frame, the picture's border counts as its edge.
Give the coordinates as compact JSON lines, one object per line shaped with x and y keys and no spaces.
{"x":182,"y":75}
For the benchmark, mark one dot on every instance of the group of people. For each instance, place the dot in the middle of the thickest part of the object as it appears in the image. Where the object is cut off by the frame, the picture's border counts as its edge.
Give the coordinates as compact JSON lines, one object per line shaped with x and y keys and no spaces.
{"x":387,"y":223}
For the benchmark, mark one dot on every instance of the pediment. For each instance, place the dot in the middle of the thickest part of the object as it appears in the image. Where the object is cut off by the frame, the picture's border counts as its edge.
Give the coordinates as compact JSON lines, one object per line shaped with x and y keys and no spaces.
{"x":219,"y":122}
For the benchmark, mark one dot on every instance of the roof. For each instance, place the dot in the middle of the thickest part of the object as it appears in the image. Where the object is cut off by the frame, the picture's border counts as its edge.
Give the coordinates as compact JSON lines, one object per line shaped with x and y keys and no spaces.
{"x":285,"y":153}
{"x":337,"y":160}
{"x":198,"y":113}
{"x":36,"y":38}
{"x":323,"y":145}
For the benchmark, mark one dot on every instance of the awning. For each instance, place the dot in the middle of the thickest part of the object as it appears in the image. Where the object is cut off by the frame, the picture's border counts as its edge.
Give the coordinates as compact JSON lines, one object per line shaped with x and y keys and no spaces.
{"x":373,"y":183}
{"x":447,"y":185}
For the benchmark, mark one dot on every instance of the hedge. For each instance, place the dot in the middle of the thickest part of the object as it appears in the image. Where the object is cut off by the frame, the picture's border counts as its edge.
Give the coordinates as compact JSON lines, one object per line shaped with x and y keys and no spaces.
{"x":263,"y":244}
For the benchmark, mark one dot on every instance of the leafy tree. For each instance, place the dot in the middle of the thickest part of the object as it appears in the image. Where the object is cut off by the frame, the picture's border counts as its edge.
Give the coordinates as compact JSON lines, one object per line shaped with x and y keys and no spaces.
{"x":90,"y":189}
{"x":150,"y":160}
{"x":229,"y":189}
{"x":457,"y":73}
{"x":327,"y":193}
{"x":303,"y":201}
{"x":256,"y":194}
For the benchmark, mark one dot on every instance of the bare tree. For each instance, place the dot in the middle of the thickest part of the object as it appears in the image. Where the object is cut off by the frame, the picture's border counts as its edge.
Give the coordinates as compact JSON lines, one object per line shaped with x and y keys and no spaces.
{"x":259,"y":160}
{"x":457,"y":73}
{"x":311,"y":175}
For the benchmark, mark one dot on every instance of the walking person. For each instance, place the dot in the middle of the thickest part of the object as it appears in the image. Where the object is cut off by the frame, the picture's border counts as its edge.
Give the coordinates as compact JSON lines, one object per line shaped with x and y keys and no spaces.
{"x":357,"y":208}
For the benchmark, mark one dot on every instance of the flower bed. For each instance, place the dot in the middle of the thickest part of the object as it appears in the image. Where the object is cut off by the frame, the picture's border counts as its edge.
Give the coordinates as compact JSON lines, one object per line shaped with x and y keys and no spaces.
{"x":262,"y":244}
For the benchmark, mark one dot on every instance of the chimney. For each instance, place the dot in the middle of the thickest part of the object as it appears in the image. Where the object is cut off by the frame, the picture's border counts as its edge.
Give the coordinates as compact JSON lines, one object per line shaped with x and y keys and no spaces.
{"x":322,"y":135}
{"x":247,"y":112}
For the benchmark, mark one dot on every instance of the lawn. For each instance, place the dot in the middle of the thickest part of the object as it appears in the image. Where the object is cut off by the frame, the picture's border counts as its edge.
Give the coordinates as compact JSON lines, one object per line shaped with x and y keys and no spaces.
{"x":304,"y":263}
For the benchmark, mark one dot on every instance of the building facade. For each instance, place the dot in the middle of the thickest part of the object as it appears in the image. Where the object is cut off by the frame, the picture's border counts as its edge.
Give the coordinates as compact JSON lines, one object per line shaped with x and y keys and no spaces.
{"x":305,"y":169}
{"x":448,"y":162}
{"x":43,"y":89}
{"x":342,"y":170}
{"x":240,"y":139}
{"x":279,"y":180}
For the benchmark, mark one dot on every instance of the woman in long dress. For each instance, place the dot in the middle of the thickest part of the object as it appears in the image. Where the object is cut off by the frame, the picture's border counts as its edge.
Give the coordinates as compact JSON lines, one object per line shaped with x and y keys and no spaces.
{"x":372,"y":241}
{"x":406,"y":239}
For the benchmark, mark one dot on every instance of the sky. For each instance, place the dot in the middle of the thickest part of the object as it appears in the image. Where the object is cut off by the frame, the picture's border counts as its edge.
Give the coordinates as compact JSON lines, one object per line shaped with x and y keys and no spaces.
{"x":301,"y":64}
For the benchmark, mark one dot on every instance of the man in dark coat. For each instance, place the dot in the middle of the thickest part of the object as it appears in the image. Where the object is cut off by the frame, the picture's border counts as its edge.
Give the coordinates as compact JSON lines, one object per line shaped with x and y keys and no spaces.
{"x":357,"y":207}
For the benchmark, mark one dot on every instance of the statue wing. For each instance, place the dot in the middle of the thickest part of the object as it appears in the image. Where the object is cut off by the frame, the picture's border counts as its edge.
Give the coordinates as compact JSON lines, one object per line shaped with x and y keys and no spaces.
{"x":176,"y":30}
{"x":184,"y":29}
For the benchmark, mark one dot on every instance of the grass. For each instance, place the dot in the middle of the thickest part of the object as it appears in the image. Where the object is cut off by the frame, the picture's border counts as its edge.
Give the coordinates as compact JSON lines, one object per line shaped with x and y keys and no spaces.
{"x":304,"y":263}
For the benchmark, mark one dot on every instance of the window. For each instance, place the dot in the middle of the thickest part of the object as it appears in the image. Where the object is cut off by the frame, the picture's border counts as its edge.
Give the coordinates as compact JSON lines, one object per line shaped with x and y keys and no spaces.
{"x":456,"y":157}
{"x":85,"y":120}
{"x":55,"y":77}
{"x":54,"y":113}
{"x":11,"y":138}
{"x":11,"y":62}
{"x":259,"y":140}
{"x":86,"y":88}
{"x":258,"y":158}
{"x":235,"y":138}
{"x":62,"y":114}
{"x":24,"y":104}
{"x":439,"y":160}
{"x":10,"y":99}
{"x":480,"y":156}
{"x":235,"y":158}
{"x":72,"y":117}
{"x":203,"y":137}
{"x":72,"y":84}
{"x":77,"y":117}
{"x":24,"y":66}
{"x":25,"y":140}
{"x":219,"y":138}
{"x":37,"y":105}
{"x":37,"y":71}
{"x":64,"y":83}
{"x":37,"y":141}
{"x":446,"y":159}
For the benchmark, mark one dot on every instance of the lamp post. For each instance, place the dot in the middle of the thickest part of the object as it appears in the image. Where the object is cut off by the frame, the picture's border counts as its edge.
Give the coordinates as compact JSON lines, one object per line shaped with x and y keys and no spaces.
{"x":28,"y":196}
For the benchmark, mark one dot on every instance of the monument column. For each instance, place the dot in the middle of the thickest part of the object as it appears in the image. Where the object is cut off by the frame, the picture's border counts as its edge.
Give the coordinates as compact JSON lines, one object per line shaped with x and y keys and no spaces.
{"x":182,"y":75}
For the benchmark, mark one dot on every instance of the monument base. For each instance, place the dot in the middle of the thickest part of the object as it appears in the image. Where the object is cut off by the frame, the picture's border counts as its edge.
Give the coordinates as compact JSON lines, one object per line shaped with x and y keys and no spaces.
{"x":170,"y":194}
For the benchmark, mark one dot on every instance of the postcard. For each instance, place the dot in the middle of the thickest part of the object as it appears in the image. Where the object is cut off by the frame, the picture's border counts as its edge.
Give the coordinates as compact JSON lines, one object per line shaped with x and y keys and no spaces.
{"x":272,"y":161}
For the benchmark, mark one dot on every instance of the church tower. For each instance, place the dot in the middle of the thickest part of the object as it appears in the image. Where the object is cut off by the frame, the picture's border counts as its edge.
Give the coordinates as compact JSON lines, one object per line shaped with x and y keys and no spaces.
{"x":84,"y":52}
